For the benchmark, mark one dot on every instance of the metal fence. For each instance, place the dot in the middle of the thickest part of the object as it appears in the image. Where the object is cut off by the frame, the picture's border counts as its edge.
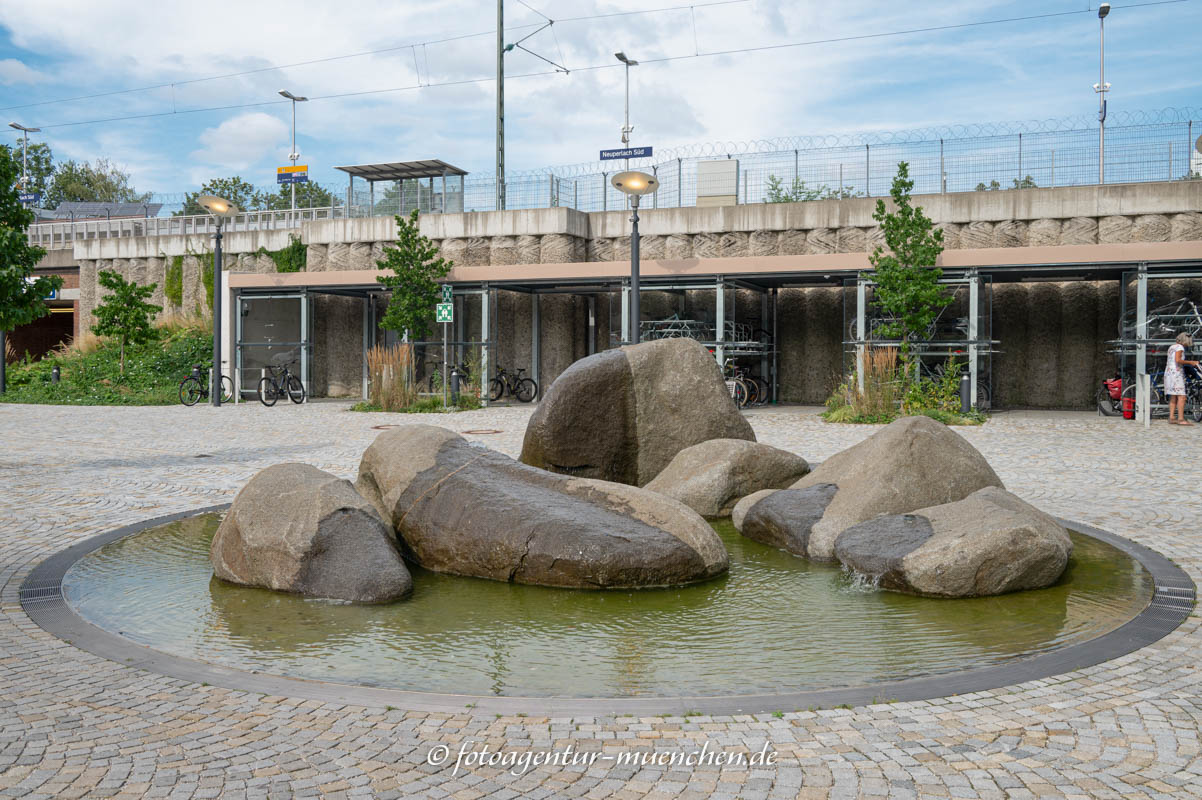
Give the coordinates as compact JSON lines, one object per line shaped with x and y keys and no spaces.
{"x":1140,"y":147}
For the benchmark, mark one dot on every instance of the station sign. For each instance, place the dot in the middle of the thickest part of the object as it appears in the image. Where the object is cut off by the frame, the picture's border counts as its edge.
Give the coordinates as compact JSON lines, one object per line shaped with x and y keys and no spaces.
{"x":30,"y":198}
{"x":626,"y":152}
{"x":444,"y":312}
{"x":297,"y":174}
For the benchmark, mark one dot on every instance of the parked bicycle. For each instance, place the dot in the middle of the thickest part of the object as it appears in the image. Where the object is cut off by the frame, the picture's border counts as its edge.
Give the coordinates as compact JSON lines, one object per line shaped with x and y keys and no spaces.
{"x":523,"y":388}
{"x":280,"y":381}
{"x":192,"y":389}
{"x":746,"y":389}
{"x":1111,"y":406}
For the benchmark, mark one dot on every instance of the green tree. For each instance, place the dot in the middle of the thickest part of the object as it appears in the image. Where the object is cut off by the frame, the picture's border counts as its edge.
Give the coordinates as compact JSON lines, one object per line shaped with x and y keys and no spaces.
{"x":40,"y":163}
{"x":417,"y":267}
{"x":21,"y":294}
{"x":234,"y":189}
{"x":124,"y":314}
{"x":1026,"y":183}
{"x":308,"y":195}
{"x":907,"y":280}
{"x":799,"y":192}
{"x":103,"y":183}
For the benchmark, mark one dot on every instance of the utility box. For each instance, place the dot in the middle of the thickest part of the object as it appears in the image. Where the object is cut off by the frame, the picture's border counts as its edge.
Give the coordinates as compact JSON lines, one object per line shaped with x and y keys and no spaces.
{"x":717,"y":183}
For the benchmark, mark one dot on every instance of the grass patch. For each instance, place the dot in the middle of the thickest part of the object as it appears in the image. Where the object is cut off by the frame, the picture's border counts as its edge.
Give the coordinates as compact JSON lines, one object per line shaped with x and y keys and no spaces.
{"x":90,"y":370}
{"x":890,"y":391}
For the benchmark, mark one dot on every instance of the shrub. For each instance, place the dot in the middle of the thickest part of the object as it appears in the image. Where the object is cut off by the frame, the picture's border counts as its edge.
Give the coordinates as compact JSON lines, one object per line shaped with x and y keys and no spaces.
{"x":391,"y":384}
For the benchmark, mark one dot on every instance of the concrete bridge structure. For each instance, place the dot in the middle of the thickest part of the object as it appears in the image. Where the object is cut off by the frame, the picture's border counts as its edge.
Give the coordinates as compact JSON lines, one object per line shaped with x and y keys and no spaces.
{"x":546,"y":286}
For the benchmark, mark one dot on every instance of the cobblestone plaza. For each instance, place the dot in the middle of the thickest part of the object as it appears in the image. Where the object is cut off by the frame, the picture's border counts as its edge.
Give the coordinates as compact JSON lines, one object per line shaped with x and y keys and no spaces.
{"x":73,"y":724}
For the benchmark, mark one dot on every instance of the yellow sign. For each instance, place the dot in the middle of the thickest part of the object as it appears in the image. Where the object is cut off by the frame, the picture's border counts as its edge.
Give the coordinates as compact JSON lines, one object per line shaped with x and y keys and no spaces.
{"x":286,"y":170}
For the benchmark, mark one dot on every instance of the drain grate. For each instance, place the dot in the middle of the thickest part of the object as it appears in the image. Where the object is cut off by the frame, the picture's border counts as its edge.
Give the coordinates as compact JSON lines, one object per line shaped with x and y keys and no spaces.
{"x":40,"y":594}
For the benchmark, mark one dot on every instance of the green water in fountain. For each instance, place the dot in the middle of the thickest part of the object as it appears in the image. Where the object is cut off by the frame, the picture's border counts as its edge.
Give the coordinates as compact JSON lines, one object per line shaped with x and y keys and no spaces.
{"x":774,"y":623}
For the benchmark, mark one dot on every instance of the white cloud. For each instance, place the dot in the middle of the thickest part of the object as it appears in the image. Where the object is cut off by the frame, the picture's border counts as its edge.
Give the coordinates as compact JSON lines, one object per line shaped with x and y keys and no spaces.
{"x":13,"y":72}
{"x":242,"y":141}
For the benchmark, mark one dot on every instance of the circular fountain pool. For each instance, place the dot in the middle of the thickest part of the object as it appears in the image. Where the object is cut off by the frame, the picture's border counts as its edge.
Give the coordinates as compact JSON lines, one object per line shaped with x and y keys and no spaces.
{"x":775,"y":623}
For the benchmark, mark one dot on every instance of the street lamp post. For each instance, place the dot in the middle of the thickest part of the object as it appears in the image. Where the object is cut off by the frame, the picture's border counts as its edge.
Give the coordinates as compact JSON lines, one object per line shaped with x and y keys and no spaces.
{"x":24,"y":152}
{"x":634,"y":185}
{"x":221,"y":209}
{"x":626,"y":129}
{"x":1102,"y":87}
{"x":292,"y":156}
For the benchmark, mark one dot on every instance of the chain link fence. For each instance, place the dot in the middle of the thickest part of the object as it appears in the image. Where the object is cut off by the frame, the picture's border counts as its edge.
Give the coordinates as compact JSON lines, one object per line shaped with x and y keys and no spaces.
{"x":1140,"y":147}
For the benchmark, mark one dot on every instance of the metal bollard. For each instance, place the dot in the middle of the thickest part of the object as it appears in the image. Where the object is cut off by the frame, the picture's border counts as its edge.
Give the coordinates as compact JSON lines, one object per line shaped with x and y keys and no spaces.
{"x":455,"y":386}
{"x":965,"y":394}
{"x":55,"y":374}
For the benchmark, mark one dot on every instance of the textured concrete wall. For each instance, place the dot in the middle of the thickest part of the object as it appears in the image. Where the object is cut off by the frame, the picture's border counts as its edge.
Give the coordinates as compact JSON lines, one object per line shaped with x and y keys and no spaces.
{"x":337,"y":346}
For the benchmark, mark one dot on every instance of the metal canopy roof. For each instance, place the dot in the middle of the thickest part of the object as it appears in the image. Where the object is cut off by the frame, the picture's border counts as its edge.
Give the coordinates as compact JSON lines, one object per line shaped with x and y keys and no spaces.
{"x":401,"y":170}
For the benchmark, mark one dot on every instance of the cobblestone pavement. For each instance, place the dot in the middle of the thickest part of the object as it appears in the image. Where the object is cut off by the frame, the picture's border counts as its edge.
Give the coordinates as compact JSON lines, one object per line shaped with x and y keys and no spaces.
{"x":74,"y":725}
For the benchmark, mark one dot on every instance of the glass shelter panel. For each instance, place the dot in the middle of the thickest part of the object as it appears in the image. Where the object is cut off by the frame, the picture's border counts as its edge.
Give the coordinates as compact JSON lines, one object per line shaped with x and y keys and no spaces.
{"x":272,"y":333}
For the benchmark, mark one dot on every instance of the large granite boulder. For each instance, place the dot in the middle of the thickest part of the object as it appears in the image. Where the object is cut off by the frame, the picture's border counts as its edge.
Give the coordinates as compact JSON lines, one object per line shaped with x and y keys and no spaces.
{"x":623,"y":415}
{"x":294,"y":528}
{"x":712,"y":476}
{"x":989,"y":543}
{"x":913,"y":462}
{"x":785,"y":519}
{"x":467,"y":510}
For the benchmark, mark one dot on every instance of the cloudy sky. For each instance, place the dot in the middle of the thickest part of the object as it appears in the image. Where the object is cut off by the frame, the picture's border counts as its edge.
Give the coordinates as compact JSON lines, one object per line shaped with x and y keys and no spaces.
{"x":171,"y":64}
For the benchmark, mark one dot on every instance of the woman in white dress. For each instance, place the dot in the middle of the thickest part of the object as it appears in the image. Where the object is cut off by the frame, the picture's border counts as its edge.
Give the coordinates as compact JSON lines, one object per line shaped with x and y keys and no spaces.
{"x":1174,"y":379}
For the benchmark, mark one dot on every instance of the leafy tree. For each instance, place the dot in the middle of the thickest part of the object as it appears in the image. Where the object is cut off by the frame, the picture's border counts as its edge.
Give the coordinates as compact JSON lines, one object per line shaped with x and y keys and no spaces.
{"x":40,"y":163}
{"x":103,"y":183}
{"x":417,"y":267}
{"x":308,"y":195}
{"x":234,"y":189}
{"x":124,"y":313}
{"x":21,"y":294}
{"x":992,"y":187}
{"x":1026,"y":183}
{"x":907,"y":280}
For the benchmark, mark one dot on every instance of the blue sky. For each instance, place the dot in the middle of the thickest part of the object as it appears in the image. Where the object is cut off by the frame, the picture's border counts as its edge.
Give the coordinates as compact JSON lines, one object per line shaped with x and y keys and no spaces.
{"x":1034,"y":69}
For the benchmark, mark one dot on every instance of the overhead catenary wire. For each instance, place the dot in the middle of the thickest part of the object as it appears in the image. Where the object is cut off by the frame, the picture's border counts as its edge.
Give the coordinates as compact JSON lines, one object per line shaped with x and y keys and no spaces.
{"x":602,"y":66}
{"x":327,"y":59}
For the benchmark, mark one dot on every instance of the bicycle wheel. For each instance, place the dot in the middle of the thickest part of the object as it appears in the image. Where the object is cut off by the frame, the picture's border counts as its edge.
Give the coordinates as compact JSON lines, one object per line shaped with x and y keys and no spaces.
{"x":190,"y":391}
{"x":764,"y":393}
{"x":296,"y":390}
{"x":740,"y":393}
{"x":984,"y":397}
{"x":227,"y":389}
{"x":496,"y":388}
{"x":268,"y":392}
{"x":753,"y":391}
{"x":1107,"y":405}
{"x":527,"y":390}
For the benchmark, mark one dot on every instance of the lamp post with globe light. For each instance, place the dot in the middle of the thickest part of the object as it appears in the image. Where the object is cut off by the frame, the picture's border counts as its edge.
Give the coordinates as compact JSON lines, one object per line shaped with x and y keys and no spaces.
{"x":634,"y":185}
{"x":221,"y":210}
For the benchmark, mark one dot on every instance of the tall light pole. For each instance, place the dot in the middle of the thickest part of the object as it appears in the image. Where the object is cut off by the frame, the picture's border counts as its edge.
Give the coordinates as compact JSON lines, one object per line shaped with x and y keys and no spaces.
{"x":629,"y":62}
{"x":501,"y":49}
{"x":634,"y":185}
{"x":1102,"y":87}
{"x":24,"y":152}
{"x":221,"y":209}
{"x":293,"y":156}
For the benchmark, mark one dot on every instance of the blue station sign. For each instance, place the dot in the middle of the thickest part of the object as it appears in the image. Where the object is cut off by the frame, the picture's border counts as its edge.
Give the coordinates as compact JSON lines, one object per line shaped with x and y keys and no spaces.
{"x":30,"y":198}
{"x":627,"y":152}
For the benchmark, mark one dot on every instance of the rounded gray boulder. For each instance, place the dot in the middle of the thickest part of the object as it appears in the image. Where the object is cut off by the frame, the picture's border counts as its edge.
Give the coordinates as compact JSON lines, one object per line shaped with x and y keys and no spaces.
{"x":911,"y":463}
{"x":294,"y":528}
{"x":989,"y":543}
{"x":624,"y":414}
{"x":712,"y":476}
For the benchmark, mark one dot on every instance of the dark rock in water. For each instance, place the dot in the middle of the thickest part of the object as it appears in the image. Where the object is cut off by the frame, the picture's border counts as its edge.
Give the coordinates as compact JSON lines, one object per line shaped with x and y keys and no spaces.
{"x":712,"y":476}
{"x":986,"y":544}
{"x":468,"y":510}
{"x":624,"y":414}
{"x":294,"y":528}
{"x":784,"y":519}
